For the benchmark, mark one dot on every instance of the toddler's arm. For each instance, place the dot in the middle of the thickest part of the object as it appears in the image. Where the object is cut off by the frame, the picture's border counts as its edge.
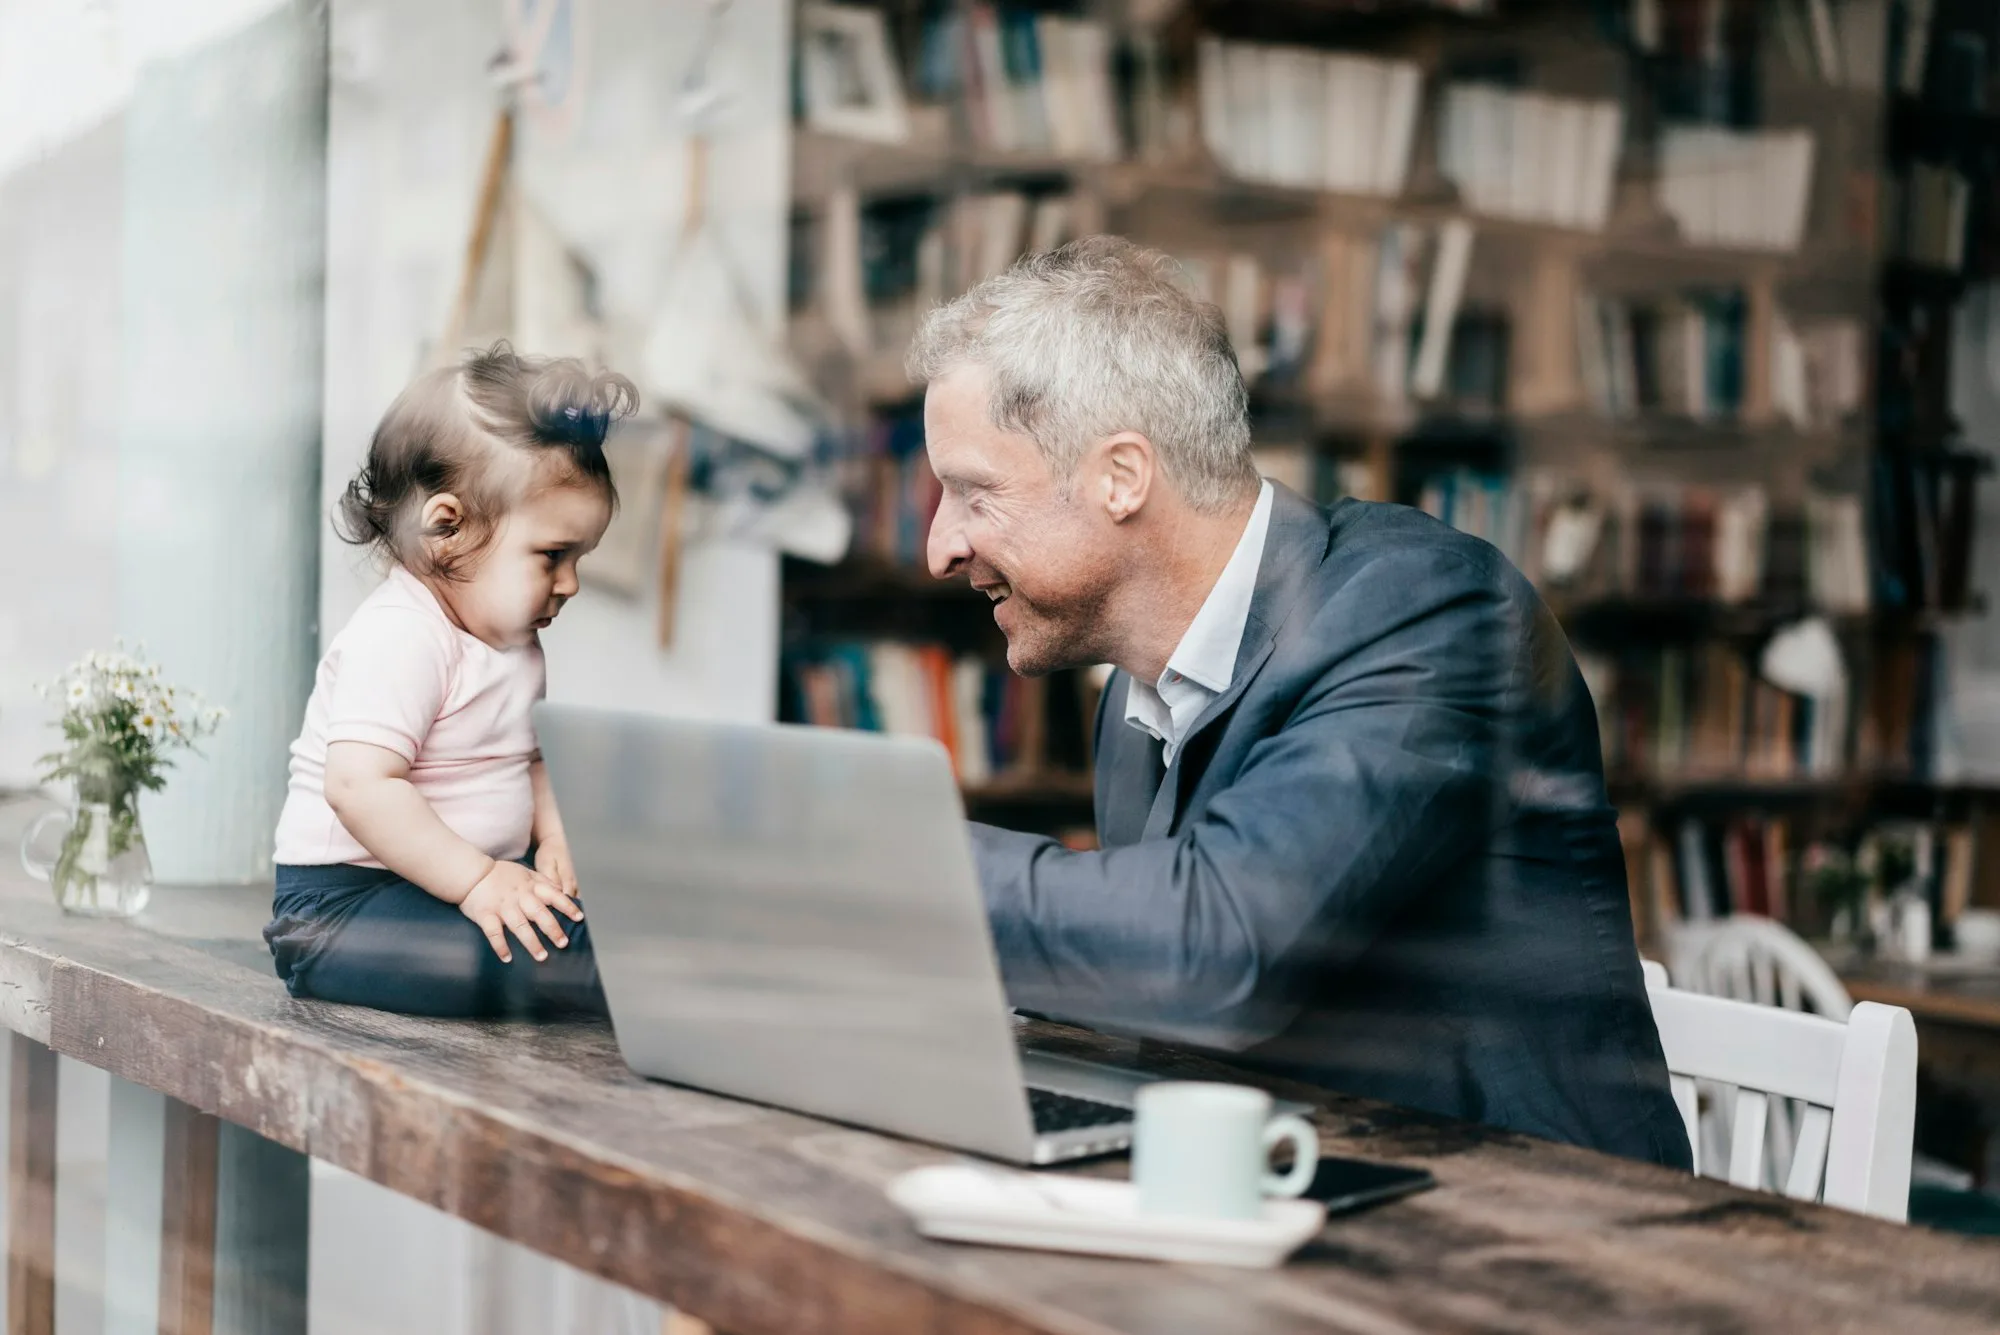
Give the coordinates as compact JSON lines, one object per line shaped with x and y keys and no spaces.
{"x":551,"y":844}
{"x":369,"y":789}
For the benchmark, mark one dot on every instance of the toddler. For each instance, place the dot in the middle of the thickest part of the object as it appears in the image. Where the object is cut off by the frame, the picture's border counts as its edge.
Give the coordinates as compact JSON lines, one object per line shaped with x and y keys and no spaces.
{"x":421,"y":862}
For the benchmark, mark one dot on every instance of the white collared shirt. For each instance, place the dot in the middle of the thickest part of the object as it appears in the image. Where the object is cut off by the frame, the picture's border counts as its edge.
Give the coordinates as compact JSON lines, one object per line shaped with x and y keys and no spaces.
{"x":1205,"y":659}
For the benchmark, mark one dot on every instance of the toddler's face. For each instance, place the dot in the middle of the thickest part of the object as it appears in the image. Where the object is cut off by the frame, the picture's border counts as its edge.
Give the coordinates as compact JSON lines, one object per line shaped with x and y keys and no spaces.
{"x":528,"y":572}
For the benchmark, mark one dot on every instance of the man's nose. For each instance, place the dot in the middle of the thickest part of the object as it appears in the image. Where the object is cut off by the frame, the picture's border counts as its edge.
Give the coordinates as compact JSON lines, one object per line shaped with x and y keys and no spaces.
{"x":566,"y":582}
{"x":946,"y":549}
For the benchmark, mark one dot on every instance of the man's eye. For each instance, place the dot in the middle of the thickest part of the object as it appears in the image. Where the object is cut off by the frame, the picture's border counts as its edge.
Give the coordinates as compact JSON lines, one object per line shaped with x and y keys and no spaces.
{"x":555,"y":555}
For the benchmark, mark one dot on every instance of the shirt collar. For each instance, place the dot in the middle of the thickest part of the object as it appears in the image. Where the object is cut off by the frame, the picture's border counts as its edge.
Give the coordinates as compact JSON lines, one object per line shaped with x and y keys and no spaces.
{"x":1206,"y":656}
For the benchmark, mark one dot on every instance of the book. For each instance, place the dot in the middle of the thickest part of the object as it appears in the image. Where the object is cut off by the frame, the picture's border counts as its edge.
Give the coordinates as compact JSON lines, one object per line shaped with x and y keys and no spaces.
{"x":1530,"y":155}
{"x":1309,"y":119}
{"x":1447,"y":286}
{"x":1681,"y":353}
{"x":991,"y":722}
{"x":1737,"y":188}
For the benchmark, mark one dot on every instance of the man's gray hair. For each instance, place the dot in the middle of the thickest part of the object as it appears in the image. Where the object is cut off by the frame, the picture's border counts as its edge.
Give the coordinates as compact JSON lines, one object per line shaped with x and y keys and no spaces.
{"x":1095,"y":338}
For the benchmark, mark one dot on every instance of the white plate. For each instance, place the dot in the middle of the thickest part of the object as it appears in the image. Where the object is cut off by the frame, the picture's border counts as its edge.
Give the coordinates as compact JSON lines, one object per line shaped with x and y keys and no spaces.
{"x":968,"y":1203}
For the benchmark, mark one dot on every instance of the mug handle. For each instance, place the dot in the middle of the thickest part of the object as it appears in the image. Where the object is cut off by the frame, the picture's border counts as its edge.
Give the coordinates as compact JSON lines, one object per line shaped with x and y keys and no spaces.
{"x":1305,"y":1154}
{"x":34,"y":866}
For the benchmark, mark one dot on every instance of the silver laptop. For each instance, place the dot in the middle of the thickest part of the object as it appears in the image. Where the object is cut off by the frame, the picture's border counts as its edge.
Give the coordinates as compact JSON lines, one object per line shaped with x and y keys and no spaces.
{"x":791,"y":915}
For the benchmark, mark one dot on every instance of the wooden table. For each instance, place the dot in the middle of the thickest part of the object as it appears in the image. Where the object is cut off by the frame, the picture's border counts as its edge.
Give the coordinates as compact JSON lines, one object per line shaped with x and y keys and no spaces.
{"x":1957,"y":1010}
{"x":758,"y":1220}
{"x":1943,"y":992}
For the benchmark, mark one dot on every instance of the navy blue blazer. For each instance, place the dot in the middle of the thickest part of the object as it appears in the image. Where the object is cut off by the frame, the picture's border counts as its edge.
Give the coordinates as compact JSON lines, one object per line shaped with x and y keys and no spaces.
{"x":1382,"y":861}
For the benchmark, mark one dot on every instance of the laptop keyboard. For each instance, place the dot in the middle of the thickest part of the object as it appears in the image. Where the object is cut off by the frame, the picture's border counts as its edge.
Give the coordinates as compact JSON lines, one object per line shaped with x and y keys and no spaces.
{"x":1065,"y":1112}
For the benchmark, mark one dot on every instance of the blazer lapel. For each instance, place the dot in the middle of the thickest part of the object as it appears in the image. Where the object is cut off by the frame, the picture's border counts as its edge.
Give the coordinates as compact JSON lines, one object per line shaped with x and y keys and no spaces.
{"x":1294,"y":546}
{"x":1128,"y":771}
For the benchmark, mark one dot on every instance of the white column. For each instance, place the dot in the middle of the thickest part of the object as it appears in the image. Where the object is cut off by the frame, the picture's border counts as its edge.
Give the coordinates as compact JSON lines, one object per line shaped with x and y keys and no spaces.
{"x":223,"y":301}
{"x":132,"y":1211}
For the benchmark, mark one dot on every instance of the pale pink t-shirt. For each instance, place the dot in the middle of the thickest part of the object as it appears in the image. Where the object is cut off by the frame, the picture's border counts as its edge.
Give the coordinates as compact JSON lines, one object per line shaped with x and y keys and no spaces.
{"x":401,"y":676}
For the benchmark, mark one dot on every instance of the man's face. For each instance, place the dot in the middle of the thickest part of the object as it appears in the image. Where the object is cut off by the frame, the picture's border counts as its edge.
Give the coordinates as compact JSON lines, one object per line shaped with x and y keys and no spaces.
{"x":1048,"y":562}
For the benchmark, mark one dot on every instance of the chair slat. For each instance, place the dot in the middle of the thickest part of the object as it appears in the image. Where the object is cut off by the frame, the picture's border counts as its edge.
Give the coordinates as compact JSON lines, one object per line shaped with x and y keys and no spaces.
{"x":1746,"y":1139}
{"x":1782,"y":1141}
{"x":1764,"y":980}
{"x":1809,"y":1159}
{"x":1759,"y":1047}
{"x":1685,"y":1100}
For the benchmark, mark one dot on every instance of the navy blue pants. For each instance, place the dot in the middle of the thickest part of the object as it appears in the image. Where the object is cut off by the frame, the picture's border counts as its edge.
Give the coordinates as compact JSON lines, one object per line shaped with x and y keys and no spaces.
{"x":367,"y":937}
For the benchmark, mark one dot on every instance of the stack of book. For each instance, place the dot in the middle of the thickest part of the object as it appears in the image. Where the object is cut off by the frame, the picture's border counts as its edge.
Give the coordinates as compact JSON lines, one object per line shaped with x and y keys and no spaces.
{"x":1527,"y":155}
{"x":1698,"y":869}
{"x":1924,"y":511}
{"x":1718,"y":868}
{"x":1943,"y":52}
{"x":1928,"y":209}
{"x":888,"y":260}
{"x":1901,"y":710}
{"x":887,"y":482}
{"x":1837,"y":575}
{"x":1846,"y":42}
{"x":992,"y":722}
{"x":1664,"y":542}
{"x":1486,"y":505}
{"x":1681,"y":355}
{"x":1819,"y":370}
{"x":1315,"y":120}
{"x":1705,"y":59}
{"x":1368,"y":317}
{"x":1743,"y":189}
{"x":1702,"y":714}
{"x":1421,"y":345}
{"x":1030,"y":82}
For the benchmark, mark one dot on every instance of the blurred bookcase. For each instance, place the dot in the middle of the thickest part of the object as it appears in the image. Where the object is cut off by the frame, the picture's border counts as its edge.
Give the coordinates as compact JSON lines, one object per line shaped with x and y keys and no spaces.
{"x":1655,"y":295}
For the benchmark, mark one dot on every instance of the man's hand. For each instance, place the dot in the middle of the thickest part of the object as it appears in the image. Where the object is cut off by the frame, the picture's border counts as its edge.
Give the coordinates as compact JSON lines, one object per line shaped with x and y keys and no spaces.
{"x":552,"y":860}
{"x":510,"y":896}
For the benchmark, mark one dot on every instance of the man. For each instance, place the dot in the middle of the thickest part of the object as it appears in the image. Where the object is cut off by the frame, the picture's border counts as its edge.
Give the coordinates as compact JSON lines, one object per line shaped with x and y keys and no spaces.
{"x":1349,"y":793}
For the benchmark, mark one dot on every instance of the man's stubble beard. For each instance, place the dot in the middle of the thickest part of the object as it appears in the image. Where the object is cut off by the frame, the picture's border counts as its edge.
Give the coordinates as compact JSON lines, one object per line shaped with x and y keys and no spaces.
{"x":1068,"y":637}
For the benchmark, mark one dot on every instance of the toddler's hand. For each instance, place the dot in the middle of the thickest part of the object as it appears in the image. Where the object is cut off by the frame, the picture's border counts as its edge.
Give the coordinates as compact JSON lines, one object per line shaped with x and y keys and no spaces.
{"x":511,"y":896}
{"x":552,"y":861}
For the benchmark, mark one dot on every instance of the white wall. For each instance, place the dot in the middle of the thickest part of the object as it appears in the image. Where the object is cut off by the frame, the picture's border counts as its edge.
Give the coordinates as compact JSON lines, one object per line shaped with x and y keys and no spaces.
{"x":411,"y":112}
{"x":59,"y":365}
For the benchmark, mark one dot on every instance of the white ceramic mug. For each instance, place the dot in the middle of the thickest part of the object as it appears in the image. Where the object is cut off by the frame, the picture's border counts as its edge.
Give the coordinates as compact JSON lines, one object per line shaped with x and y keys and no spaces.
{"x":1204,"y":1149}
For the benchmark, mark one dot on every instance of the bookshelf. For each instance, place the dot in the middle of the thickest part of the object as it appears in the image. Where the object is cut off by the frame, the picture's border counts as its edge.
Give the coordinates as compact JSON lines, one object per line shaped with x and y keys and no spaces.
{"x":1669,"y":232}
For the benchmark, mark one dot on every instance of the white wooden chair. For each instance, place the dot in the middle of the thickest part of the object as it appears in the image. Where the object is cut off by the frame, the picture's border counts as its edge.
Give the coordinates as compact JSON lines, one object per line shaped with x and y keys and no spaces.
{"x":1747,"y":958}
{"x":1857,"y":1082}
{"x":1755,"y":959}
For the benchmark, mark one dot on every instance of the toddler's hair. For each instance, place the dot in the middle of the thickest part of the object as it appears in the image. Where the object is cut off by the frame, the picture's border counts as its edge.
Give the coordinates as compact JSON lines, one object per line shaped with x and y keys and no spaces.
{"x":488,"y":431}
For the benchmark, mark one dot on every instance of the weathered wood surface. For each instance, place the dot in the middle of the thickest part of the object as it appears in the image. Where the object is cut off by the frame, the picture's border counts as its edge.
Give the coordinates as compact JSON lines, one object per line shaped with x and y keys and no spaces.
{"x":758,"y":1220}
{"x":187,"y":1221}
{"x":1929,"y":993}
{"x":31,"y":1189}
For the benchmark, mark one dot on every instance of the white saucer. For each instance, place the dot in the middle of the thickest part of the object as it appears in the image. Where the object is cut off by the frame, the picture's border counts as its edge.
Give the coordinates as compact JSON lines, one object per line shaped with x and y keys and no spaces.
{"x":969,"y":1203}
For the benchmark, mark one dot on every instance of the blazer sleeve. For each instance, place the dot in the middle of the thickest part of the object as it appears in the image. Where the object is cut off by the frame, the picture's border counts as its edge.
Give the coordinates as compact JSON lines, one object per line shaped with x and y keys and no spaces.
{"x":1382,"y":777}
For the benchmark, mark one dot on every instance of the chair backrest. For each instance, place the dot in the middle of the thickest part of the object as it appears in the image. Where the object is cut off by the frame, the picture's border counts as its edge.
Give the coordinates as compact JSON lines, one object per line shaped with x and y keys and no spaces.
{"x":1857,"y":1083}
{"x":1755,"y":959}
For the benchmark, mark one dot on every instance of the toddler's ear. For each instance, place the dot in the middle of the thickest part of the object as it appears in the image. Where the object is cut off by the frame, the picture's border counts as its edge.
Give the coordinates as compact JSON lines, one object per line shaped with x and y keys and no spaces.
{"x":442,"y":524}
{"x":442,"y":516}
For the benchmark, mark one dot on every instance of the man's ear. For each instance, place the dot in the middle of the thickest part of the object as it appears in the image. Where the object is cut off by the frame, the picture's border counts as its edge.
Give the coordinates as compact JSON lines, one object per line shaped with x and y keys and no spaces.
{"x":1129,"y":470}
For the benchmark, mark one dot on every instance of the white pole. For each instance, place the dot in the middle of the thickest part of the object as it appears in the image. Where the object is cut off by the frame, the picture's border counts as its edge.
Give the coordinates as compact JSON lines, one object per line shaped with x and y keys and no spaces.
{"x":223,"y":303}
